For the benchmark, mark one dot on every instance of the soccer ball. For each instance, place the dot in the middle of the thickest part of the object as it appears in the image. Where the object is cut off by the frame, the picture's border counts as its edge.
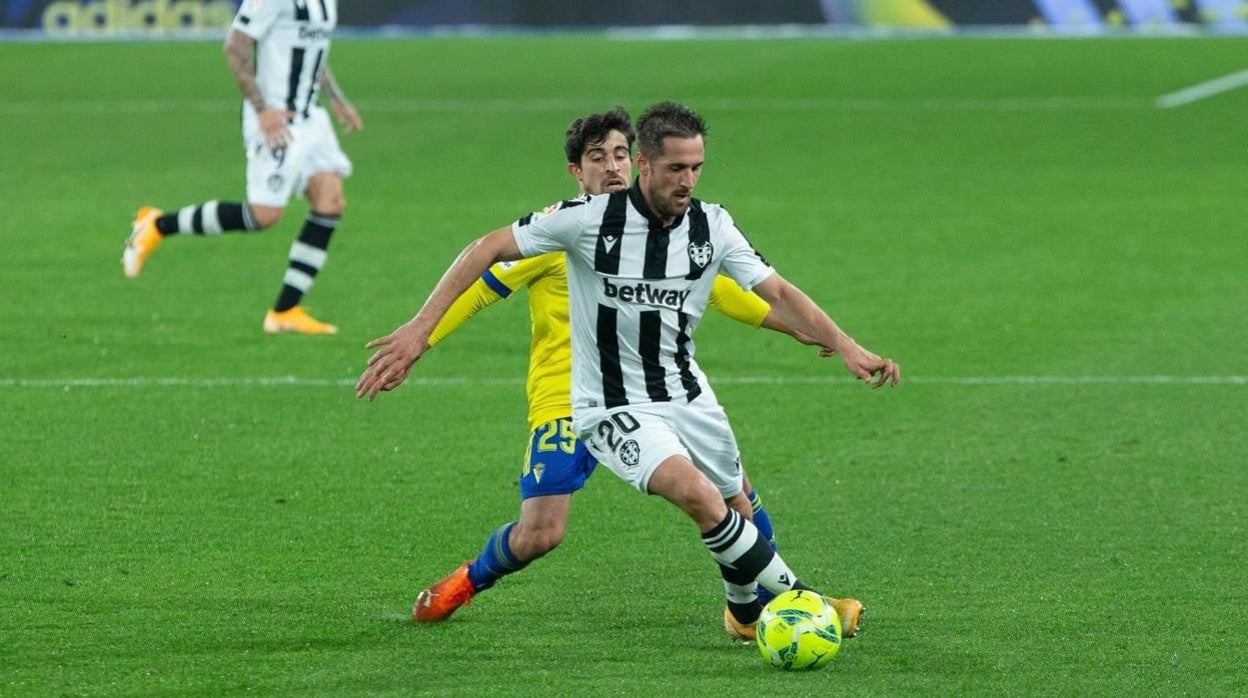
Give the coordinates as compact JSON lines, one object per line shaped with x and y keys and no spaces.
{"x":799,"y":630}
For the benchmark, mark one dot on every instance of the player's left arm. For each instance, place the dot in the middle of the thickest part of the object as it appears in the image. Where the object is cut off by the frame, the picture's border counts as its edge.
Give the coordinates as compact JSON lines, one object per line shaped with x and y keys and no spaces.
{"x":796,"y":310}
{"x":343,"y":110}
{"x":748,"y":309}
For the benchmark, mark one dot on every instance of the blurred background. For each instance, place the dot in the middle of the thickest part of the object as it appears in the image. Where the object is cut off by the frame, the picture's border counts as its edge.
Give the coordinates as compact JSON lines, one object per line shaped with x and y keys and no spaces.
{"x":148,"y":17}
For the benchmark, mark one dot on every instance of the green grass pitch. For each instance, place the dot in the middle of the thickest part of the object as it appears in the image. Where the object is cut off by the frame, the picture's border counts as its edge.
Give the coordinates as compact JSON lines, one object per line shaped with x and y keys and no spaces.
{"x":997,"y":215}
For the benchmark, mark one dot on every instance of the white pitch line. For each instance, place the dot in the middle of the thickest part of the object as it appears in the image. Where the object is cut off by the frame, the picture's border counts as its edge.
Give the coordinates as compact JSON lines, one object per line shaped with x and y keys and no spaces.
{"x":1203,"y":90}
{"x":564,"y":105}
{"x":298,"y":382}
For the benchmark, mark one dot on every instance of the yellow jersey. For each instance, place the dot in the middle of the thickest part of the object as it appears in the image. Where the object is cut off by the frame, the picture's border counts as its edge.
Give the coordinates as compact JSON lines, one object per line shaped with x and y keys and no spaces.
{"x":549,"y":385}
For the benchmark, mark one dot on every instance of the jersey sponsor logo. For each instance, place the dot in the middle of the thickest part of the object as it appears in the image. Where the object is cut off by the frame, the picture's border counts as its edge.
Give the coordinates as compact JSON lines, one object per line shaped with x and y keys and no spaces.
{"x":315,"y":33}
{"x":644,"y":293}
{"x":700,"y":253}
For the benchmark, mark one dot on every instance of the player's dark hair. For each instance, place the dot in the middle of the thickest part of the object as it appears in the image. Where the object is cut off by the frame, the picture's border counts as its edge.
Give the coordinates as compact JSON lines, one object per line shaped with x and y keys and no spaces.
{"x":592,"y":129}
{"x":666,"y":120}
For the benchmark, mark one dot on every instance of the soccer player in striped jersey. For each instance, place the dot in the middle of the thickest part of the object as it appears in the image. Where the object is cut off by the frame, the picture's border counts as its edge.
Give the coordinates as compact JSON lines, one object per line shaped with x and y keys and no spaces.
{"x":598,"y":148}
{"x":278,"y":51}
{"x":641,"y":264}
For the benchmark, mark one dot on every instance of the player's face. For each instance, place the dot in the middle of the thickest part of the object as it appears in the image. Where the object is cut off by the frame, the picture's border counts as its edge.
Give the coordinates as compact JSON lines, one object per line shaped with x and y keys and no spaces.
{"x":671,"y":177}
{"x":606,"y":166}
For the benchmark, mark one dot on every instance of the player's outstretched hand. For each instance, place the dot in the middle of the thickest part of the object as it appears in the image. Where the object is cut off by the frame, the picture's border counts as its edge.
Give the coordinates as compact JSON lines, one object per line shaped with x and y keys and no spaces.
{"x":388,"y":368}
{"x":347,"y":116}
{"x":869,"y":368}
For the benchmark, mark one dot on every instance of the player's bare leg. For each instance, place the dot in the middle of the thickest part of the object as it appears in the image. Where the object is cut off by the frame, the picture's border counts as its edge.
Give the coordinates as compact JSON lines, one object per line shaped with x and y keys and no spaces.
{"x":307,"y":255}
{"x":742,"y":504}
{"x":557,"y":466}
{"x":265,"y":217}
{"x":543,"y":521}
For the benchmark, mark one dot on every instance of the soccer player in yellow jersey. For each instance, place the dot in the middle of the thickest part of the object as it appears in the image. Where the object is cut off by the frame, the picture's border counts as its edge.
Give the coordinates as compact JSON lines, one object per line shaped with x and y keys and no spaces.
{"x":599,"y":152}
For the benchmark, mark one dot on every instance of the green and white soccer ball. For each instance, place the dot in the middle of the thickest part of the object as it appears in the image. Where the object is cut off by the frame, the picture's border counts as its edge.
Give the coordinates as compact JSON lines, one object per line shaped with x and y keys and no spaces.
{"x":799,"y":630}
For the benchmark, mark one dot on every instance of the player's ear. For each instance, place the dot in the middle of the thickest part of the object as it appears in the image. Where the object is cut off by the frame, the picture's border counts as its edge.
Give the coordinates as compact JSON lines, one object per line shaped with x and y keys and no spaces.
{"x":643,"y":163}
{"x":577,"y":173}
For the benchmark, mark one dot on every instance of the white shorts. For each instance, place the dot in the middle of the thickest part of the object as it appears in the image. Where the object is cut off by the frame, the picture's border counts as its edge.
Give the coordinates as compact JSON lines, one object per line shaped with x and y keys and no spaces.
{"x":632,"y":441}
{"x":273,"y":176}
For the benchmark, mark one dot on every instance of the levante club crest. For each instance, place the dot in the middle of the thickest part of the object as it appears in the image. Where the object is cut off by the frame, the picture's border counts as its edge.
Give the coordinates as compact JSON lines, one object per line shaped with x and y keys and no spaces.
{"x":700,"y":253}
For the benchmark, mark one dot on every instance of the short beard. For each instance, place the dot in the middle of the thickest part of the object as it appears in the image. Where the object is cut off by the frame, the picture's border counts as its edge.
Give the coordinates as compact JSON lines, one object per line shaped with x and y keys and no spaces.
{"x":658,"y":204}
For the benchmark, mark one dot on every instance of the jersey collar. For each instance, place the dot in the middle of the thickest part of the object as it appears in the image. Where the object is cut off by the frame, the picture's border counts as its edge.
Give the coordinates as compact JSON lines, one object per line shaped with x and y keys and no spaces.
{"x":639,"y":203}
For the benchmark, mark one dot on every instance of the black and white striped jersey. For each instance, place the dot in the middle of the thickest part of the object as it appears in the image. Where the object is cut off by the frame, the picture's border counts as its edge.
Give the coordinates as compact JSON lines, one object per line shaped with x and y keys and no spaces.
{"x":637,"y":291}
{"x":292,"y":47}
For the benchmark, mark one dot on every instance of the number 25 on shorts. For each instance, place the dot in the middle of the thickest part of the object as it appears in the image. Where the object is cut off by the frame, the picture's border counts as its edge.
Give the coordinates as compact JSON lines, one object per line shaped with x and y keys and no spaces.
{"x":560,"y":429}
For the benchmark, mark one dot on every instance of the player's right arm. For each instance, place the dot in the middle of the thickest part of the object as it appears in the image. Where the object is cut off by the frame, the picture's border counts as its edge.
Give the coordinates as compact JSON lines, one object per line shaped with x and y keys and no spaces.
{"x":497,"y":283}
{"x":397,"y":351}
{"x":556,"y":229}
{"x":252,"y":22}
{"x":478,"y":297}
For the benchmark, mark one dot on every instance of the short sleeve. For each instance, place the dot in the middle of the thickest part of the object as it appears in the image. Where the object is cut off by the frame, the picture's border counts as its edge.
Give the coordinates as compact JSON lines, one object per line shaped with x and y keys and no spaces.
{"x":553,"y":229}
{"x":506,"y":277}
{"x":742,"y":262}
{"x":742,"y":306}
{"x":256,"y":17}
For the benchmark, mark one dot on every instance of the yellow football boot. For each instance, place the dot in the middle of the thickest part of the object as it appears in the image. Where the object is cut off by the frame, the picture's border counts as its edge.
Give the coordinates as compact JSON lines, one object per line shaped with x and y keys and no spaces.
{"x":295,"y":320}
{"x":144,"y":239}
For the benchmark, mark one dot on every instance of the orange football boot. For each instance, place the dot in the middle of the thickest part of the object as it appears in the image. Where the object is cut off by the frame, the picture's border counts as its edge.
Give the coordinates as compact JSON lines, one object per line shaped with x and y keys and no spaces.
{"x":849,"y":611}
{"x":741,"y":632}
{"x":439,"y":601}
{"x":296,"y":320}
{"x":144,"y":239}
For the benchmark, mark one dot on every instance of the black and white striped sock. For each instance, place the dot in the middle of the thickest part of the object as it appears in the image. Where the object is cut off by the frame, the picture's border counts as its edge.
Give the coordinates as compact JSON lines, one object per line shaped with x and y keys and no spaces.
{"x":307,"y":256}
{"x":743,"y":601}
{"x":744,"y":558}
{"x":210,"y":218}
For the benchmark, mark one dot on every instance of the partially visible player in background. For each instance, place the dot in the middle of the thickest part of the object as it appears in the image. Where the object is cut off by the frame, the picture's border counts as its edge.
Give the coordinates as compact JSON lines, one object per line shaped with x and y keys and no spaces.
{"x":598,"y":148}
{"x":290,"y":144}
